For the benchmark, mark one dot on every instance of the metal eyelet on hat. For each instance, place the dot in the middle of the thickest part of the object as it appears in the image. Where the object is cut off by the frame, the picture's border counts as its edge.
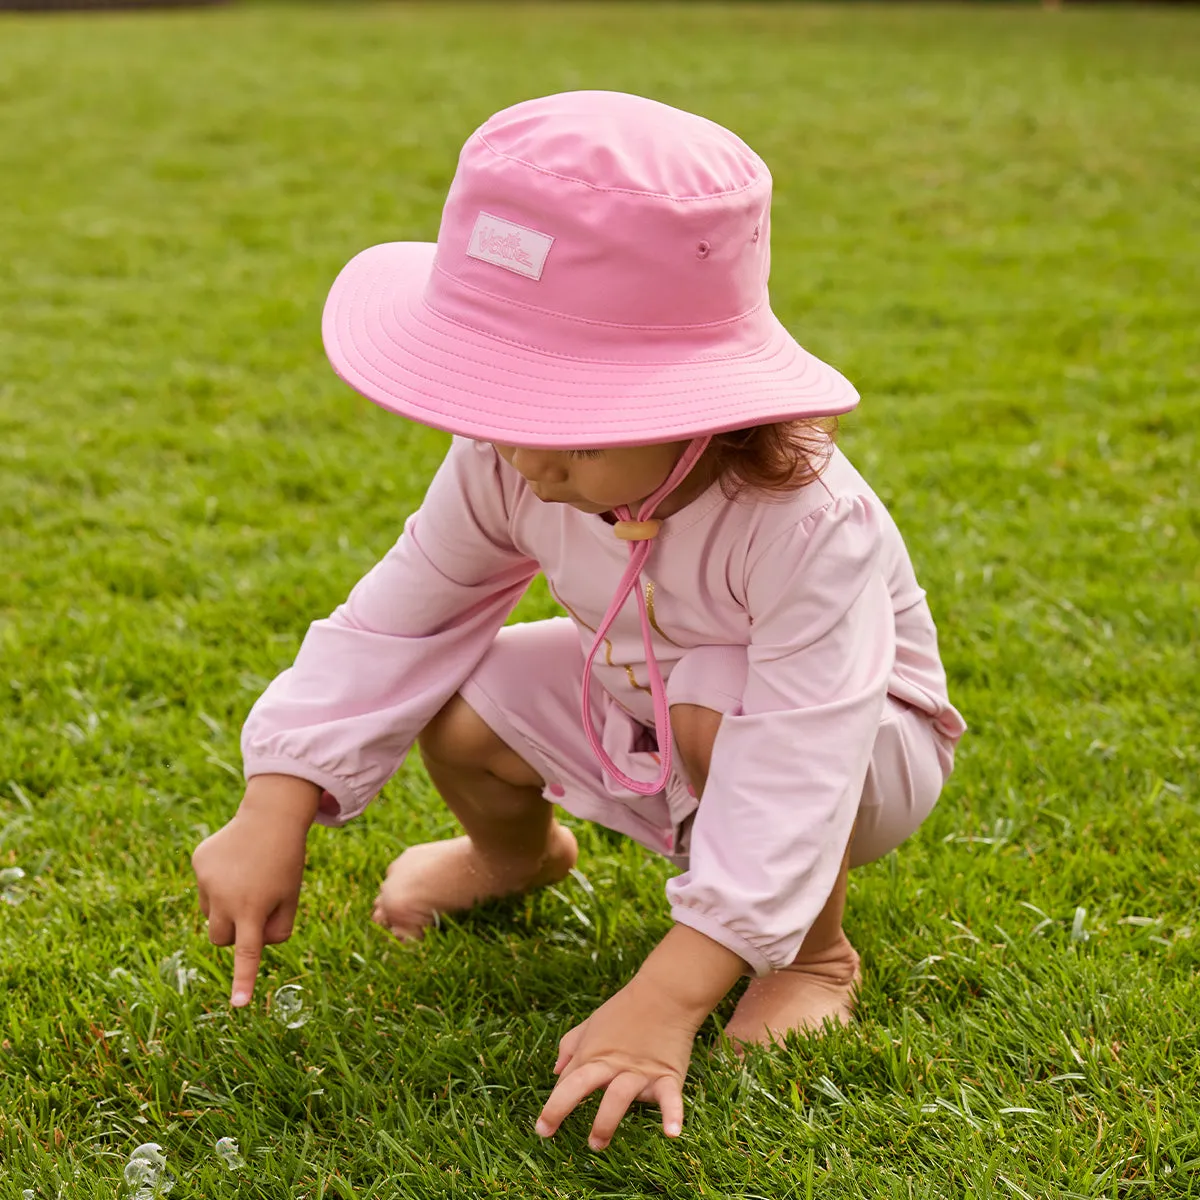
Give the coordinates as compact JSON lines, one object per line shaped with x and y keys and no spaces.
{"x":755,"y":237}
{"x":702,"y":250}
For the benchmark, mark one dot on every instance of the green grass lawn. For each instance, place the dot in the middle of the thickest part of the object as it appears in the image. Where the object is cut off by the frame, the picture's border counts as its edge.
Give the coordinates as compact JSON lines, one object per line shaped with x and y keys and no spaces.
{"x":987,"y":218}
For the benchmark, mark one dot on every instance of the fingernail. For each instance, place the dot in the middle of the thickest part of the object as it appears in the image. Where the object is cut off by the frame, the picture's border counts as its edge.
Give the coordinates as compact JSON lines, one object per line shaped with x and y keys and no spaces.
{"x":542,"y":1129}
{"x":240,"y":999}
{"x":595,"y":1145}
{"x":673,"y":1129}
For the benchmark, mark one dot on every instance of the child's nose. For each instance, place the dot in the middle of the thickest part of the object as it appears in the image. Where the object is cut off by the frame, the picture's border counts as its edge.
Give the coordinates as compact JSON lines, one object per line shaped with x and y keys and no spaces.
{"x":539,"y":466}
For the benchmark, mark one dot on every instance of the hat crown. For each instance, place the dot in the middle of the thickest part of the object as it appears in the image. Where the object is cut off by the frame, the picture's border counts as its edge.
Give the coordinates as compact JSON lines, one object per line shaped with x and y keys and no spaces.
{"x":620,"y":142}
{"x":575,"y":218}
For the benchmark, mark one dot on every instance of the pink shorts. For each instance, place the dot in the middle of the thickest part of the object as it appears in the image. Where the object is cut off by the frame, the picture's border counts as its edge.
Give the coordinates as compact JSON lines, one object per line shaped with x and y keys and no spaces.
{"x":541,"y":724}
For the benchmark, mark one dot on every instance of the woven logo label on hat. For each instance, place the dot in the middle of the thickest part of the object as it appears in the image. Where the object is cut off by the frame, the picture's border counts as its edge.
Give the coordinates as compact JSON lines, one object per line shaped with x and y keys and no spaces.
{"x":510,"y":246}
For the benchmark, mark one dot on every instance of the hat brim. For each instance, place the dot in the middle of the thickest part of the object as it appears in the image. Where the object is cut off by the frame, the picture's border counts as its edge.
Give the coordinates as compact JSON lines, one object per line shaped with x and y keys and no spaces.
{"x":389,"y":345}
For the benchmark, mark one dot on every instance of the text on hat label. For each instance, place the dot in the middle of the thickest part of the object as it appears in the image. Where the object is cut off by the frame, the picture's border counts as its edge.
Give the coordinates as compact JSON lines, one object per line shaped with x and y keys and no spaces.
{"x":510,"y":246}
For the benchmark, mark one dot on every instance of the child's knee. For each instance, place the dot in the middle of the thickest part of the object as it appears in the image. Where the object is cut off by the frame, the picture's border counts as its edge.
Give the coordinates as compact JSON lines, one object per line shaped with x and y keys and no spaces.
{"x":694,"y":729}
{"x":458,"y":737}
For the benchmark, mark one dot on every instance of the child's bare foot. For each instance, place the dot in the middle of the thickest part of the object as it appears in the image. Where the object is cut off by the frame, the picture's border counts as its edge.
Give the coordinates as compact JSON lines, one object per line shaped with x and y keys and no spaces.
{"x":799,"y":997}
{"x":449,"y":876}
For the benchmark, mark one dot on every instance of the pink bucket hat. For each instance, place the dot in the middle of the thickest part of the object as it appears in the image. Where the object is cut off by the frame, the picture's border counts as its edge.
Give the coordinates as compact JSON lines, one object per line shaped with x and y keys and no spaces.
{"x":599,"y":279}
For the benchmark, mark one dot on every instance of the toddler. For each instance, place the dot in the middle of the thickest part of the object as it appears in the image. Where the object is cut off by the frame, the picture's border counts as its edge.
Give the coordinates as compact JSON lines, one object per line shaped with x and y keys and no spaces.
{"x":766,"y":710}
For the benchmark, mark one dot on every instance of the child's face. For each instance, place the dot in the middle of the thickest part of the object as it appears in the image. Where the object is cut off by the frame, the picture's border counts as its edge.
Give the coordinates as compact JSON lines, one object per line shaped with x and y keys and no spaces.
{"x":595,"y":481}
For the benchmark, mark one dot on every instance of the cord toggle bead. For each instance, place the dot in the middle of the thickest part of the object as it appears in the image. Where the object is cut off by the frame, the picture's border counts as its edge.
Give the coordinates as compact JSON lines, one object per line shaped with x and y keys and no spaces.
{"x":637,"y":531}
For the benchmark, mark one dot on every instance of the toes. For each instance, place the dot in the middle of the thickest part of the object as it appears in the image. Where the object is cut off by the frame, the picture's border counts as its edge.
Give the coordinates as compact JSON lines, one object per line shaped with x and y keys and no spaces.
{"x":401,"y":921}
{"x":401,"y":932}
{"x":394,"y":921}
{"x":405,"y":933}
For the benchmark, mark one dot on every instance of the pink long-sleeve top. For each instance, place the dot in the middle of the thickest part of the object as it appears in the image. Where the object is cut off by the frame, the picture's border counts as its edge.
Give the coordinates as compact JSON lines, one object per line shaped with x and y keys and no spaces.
{"x":817,"y":586}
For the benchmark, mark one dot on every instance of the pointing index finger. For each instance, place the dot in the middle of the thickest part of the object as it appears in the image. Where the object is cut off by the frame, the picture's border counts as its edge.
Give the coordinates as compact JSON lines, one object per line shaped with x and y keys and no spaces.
{"x":247,"y":954}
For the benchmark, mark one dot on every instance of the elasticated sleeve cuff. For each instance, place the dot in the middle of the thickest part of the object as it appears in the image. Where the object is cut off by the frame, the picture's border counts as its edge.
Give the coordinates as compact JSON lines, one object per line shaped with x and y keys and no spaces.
{"x":760,"y":965}
{"x":339,"y":801}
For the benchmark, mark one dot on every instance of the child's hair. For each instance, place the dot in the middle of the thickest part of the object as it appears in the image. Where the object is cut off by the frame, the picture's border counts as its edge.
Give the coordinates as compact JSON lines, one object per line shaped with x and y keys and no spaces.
{"x":778,"y":458}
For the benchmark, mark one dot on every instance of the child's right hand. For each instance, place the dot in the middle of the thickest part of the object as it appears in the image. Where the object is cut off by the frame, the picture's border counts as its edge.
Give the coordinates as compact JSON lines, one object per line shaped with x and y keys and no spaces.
{"x":249,"y":872}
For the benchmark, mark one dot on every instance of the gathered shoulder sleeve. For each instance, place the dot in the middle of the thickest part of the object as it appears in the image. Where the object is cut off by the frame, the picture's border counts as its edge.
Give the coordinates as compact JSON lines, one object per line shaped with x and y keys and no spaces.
{"x":368,"y":678}
{"x":788,"y":766}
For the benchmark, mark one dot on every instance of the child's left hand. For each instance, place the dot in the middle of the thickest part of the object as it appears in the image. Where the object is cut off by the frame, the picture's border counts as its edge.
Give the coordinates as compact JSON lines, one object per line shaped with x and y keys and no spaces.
{"x":637,"y":1045}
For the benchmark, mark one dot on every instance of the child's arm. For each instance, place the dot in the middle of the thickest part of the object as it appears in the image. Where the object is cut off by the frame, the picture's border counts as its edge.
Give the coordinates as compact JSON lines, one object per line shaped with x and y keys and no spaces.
{"x":330,"y":730}
{"x":788,"y":769}
{"x":777,"y":810}
{"x":370,"y":677}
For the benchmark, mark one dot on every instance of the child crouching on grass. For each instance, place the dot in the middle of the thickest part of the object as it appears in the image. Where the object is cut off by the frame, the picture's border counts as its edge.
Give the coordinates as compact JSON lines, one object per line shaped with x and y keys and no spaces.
{"x":748,"y":682}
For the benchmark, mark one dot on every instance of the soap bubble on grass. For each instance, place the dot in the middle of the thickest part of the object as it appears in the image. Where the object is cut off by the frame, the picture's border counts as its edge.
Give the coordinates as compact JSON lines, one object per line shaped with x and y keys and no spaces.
{"x":175,"y":974}
{"x":9,"y":878}
{"x":288,"y":1006}
{"x":228,"y":1153}
{"x":146,"y":1172}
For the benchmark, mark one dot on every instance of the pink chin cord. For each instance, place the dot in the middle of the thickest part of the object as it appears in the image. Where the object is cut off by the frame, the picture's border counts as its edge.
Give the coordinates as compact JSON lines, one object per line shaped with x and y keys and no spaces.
{"x":640,"y":535}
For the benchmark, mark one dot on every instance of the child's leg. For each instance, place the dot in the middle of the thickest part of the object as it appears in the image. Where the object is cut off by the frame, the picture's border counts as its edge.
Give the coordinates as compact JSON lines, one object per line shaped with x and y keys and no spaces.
{"x":494,"y":793}
{"x":908,"y":768}
{"x":512,"y":843}
{"x":820,"y":983}
{"x":821,"y":980}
